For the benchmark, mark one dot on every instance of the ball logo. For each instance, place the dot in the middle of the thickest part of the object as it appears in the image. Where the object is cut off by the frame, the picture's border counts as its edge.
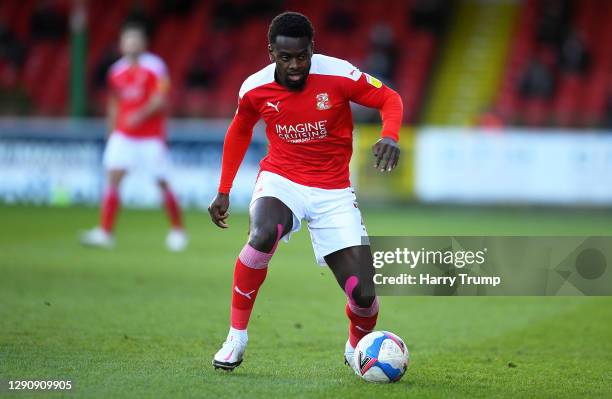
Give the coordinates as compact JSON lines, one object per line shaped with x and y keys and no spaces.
{"x":365,"y":362}
{"x":323,"y":101}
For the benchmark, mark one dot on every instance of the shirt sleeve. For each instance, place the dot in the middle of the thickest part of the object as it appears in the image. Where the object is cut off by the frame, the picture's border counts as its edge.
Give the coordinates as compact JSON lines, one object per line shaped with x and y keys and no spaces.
{"x":371,"y":92}
{"x":162,"y":78}
{"x":237,"y":142}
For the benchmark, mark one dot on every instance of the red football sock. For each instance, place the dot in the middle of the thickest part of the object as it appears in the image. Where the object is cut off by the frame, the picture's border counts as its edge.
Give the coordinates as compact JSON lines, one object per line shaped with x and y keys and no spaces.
{"x":247,"y":281}
{"x":362,"y":320}
{"x":173,"y":209}
{"x":110,"y":206}
{"x":249,"y":274}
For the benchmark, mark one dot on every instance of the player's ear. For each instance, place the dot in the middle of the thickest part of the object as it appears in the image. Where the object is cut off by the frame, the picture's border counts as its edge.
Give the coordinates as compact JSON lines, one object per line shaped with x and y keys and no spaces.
{"x":271,"y":53}
{"x":312,"y":47}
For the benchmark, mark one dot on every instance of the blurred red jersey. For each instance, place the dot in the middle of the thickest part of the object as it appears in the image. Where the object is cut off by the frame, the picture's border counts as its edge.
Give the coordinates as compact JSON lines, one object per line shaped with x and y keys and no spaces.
{"x":310,"y":131}
{"x":134,"y":85}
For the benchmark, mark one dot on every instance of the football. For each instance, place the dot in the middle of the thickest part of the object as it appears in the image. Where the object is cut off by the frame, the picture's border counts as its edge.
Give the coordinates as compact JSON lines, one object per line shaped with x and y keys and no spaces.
{"x":381,"y":356}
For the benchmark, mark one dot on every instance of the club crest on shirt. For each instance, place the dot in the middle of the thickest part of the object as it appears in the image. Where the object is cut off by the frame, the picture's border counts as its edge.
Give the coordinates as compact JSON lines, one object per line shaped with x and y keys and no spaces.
{"x":323,"y":101}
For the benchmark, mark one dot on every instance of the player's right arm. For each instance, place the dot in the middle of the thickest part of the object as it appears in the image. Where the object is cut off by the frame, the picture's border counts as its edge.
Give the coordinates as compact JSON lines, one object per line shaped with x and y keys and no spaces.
{"x":112,"y":107}
{"x":112,"y":102}
{"x":235,"y":146}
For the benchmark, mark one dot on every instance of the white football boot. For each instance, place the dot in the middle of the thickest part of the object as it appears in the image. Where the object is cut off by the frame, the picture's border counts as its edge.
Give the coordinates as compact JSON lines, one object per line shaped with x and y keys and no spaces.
{"x":97,"y":237}
{"x":349,"y":357}
{"x":177,"y":240}
{"x":230,"y":355}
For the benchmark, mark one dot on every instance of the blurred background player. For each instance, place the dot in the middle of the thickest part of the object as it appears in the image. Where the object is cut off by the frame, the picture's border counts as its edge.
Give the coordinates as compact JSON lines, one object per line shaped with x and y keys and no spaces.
{"x":304,"y":100}
{"x":138,"y":86}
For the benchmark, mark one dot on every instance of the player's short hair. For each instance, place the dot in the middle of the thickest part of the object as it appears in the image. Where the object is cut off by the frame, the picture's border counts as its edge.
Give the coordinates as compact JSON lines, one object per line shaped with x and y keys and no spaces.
{"x":291,"y":24}
{"x":135,"y":25}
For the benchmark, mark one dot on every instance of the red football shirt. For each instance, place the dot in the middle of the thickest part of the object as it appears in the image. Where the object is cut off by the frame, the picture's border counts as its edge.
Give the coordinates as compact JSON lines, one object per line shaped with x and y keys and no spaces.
{"x":310,"y":132}
{"x":134,"y":85}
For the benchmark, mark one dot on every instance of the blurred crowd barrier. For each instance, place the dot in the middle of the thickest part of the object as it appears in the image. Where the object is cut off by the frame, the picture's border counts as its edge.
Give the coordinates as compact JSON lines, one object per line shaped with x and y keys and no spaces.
{"x":372,"y":185}
{"x":518,"y":166}
{"x":59,"y":162}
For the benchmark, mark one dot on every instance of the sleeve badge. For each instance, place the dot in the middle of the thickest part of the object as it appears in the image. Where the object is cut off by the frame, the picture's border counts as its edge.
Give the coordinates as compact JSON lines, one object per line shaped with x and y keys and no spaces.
{"x":373,"y":81}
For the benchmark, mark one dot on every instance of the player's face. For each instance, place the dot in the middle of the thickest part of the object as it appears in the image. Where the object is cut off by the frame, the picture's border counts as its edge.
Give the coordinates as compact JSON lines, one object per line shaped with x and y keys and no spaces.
{"x":292,"y":57}
{"x":132,"y":42}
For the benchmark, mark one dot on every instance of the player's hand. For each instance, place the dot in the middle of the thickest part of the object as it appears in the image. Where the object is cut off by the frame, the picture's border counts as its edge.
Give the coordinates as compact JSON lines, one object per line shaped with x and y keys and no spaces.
{"x":218,"y":210}
{"x":386,"y":153}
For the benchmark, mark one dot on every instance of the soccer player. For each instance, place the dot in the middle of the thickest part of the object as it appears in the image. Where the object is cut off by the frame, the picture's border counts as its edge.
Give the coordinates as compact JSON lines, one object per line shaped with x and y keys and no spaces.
{"x":304,"y":100}
{"x":136,"y":116}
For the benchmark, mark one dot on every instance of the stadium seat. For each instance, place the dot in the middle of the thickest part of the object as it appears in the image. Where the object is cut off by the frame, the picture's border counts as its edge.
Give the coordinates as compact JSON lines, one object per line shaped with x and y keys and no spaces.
{"x":578,"y":100}
{"x":178,"y":38}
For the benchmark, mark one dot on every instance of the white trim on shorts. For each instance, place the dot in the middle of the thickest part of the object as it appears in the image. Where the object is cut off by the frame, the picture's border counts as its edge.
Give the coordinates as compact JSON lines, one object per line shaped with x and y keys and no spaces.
{"x":333,"y":218}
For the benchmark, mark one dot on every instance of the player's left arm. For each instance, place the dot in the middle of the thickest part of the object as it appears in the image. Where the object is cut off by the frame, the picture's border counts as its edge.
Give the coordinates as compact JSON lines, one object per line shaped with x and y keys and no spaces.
{"x":157,"y":102}
{"x":371,"y":92}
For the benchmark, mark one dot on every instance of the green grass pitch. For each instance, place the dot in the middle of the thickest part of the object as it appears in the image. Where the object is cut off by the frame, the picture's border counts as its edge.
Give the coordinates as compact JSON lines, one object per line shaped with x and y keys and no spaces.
{"x":141,"y":322}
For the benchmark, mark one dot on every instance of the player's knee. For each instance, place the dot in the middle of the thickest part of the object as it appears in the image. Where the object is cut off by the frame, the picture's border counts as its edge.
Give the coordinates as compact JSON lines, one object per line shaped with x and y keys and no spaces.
{"x":163,"y":185}
{"x":115,"y":177}
{"x":263,"y":237}
{"x":114,"y":184}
